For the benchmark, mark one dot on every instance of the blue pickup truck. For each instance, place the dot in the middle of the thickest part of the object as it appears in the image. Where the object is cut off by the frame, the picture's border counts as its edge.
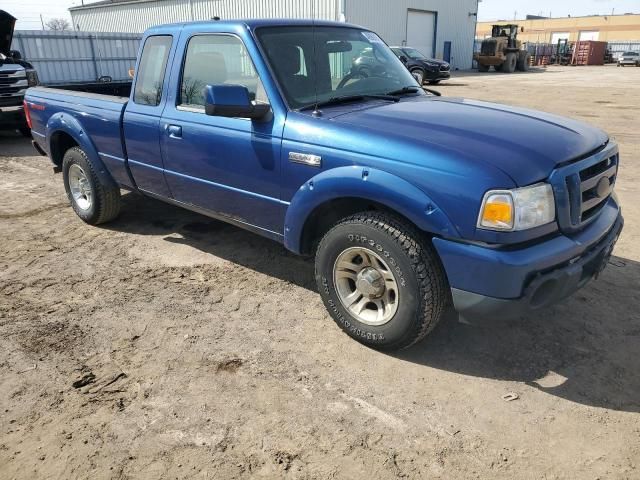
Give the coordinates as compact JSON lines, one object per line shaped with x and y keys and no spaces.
{"x":410,"y":202}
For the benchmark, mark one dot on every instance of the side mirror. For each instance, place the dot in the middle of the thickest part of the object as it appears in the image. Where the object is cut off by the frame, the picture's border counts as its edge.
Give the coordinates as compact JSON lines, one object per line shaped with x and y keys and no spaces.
{"x":403,"y":59}
{"x":232,"y":101}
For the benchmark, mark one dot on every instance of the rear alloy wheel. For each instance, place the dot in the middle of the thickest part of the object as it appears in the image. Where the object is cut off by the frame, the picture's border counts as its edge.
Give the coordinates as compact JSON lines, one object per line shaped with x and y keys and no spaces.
{"x":381,"y":280}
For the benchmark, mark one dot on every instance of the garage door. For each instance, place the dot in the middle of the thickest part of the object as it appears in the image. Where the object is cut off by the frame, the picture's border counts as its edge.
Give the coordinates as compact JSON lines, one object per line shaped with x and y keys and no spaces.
{"x":421,"y":29}
{"x":555,"y":36}
{"x":584,"y":36}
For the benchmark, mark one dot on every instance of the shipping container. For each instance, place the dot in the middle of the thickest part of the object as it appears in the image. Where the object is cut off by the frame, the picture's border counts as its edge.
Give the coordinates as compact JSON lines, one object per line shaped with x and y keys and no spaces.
{"x":589,"y":53}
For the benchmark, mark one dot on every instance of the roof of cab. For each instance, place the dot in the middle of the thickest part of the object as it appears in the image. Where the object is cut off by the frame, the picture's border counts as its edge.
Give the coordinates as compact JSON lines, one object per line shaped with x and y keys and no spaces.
{"x":251,"y":24}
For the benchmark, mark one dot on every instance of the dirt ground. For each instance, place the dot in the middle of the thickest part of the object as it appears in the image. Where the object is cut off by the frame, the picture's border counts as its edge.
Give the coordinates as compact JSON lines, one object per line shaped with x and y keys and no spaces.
{"x":168,"y":345}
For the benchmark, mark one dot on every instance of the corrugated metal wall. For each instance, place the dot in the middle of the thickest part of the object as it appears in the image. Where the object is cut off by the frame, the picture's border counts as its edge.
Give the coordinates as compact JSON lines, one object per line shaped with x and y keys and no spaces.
{"x":65,"y":57}
{"x":138,"y":16}
{"x":456,"y":20}
{"x":389,"y":19}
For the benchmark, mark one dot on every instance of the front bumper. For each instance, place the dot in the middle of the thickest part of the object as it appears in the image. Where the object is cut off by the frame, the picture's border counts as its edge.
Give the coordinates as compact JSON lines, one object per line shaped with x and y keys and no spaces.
{"x":12,"y":117}
{"x":512,"y":282}
{"x":439,"y":75}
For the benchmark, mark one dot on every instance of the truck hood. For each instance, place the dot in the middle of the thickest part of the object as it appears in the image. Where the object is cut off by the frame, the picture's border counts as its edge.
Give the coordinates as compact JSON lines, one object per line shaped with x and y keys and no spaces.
{"x":7,"y":24}
{"x":525,"y":144}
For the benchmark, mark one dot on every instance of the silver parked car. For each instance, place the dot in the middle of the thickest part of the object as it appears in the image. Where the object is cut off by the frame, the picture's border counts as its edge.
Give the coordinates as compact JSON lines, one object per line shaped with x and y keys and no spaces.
{"x":629,"y":58}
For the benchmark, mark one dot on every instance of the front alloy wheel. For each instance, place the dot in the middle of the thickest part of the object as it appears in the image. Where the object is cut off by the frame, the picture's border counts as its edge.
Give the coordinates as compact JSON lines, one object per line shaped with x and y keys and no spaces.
{"x":366,"y":285}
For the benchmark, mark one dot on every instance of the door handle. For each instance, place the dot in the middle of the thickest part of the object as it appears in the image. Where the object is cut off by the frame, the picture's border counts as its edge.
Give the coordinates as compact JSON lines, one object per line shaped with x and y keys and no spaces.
{"x":175,"y":131}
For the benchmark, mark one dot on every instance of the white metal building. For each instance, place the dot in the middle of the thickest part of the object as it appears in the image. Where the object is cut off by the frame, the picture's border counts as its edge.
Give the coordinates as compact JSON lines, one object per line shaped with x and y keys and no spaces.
{"x":440,"y":28}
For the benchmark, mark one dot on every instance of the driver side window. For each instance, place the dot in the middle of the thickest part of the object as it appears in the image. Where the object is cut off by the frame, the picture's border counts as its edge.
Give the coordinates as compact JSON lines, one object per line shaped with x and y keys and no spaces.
{"x":215,"y":60}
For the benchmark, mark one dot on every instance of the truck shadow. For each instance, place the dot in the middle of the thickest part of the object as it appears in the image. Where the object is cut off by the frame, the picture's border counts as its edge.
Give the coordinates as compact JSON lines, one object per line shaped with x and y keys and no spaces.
{"x":13,"y":144}
{"x":585,"y":350}
{"x":145,"y":216}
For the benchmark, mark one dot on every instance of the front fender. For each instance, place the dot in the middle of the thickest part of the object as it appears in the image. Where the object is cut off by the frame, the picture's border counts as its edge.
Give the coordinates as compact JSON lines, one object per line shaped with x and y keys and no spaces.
{"x":63,"y":122}
{"x":369,"y":184}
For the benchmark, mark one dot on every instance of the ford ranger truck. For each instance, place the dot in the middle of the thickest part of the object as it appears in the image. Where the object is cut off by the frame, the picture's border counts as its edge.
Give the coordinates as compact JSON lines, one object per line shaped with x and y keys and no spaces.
{"x":16,"y":76}
{"x":410,"y":202}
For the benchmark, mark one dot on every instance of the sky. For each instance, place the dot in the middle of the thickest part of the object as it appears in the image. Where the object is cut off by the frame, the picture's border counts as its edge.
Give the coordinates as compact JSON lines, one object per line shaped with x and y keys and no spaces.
{"x":28,"y":11}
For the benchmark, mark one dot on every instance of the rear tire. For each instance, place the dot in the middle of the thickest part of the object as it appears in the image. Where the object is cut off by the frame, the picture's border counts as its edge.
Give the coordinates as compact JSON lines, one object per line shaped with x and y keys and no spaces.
{"x":509,"y":65}
{"x":94,"y":200}
{"x":381,"y":280}
{"x":434,"y":82}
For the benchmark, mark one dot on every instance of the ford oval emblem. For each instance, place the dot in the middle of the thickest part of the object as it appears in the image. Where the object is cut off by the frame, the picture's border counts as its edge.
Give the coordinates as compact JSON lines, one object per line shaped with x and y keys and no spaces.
{"x":602,"y":189}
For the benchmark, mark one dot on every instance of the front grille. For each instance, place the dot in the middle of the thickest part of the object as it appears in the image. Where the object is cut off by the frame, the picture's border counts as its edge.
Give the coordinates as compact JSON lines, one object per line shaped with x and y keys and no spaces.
{"x":589,"y":185}
{"x":596,"y":186}
{"x":12,"y":84}
{"x":488,"y":47}
{"x":10,"y":101}
{"x":5,"y":91}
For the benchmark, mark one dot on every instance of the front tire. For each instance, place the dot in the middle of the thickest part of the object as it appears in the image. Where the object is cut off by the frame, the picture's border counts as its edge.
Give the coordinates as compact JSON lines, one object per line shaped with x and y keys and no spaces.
{"x":418,"y":75}
{"x":510,"y":62}
{"x":94,"y":200}
{"x":380,"y":280}
{"x":483,"y":68}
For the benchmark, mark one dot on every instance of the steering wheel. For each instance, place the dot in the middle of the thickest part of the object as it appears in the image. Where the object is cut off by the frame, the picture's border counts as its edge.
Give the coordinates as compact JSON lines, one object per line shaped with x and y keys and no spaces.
{"x":350,"y":76}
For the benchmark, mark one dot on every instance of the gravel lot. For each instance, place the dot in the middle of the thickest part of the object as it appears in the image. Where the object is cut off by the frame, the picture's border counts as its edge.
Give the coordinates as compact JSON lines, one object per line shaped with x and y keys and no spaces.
{"x":209,"y":353}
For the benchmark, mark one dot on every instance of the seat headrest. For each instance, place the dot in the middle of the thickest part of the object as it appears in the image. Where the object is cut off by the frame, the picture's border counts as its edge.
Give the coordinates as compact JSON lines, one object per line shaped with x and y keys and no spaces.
{"x":288,"y":59}
{"x":209,"y":68}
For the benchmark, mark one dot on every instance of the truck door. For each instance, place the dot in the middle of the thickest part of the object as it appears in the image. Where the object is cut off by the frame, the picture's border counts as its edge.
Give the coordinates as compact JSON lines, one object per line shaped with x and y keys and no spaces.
{"x":141,"y":121}
{"x":227,"y":166}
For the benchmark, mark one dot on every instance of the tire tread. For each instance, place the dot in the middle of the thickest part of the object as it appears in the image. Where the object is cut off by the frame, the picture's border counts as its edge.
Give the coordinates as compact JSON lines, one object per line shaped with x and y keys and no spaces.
{"x":432,"y":283}
{"x":107,"y":195}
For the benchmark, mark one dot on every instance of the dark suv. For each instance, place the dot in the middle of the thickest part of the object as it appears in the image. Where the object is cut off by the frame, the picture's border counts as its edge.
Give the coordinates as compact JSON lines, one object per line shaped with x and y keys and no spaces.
{"x":422,"y":67}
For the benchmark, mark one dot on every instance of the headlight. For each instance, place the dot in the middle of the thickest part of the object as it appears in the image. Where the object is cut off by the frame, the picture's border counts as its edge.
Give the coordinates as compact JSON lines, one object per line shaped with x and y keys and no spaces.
{"x":32,"y":78}
{"x":518,"y":209}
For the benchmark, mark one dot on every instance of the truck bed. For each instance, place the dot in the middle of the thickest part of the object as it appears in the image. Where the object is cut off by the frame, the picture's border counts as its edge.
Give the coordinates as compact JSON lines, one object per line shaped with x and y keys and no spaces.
{"x":97,"y":116}
{"x":116,"y":89}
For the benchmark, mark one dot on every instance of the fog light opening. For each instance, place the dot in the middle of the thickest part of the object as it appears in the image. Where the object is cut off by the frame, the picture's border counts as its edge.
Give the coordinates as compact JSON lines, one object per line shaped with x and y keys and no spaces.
{"x":544,"y":294}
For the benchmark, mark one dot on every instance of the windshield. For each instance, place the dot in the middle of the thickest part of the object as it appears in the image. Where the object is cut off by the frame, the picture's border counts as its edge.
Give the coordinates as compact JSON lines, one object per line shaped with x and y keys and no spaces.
{"x":414,"y":54}
{"x":336,"y":62}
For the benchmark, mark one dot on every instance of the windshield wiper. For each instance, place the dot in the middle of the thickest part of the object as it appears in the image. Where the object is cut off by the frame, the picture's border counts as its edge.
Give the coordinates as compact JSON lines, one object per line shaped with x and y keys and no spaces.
{"x":349,"y":98}
{"x":412,"y":89}
{"x":405,"y":90}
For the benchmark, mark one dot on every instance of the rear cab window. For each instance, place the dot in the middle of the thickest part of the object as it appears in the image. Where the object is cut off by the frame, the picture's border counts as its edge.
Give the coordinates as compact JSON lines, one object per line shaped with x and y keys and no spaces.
{"x":151,"y":70}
